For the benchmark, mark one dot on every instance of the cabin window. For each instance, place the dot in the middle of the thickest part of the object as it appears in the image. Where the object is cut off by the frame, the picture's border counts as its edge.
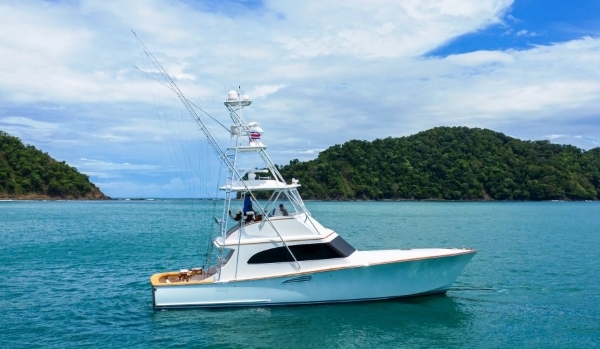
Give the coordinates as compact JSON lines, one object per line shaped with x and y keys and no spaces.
{"x":337,"y":248}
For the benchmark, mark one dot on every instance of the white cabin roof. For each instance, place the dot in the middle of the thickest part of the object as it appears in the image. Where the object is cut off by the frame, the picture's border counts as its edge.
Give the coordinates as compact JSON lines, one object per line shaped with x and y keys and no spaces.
{"x":259,"y":184}
{"x":292,"y":228}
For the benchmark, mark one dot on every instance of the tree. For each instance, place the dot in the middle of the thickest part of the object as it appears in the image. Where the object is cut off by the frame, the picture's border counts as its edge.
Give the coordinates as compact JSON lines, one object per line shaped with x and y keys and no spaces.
{"x":450,"y":163}
{"x":25,"y":171}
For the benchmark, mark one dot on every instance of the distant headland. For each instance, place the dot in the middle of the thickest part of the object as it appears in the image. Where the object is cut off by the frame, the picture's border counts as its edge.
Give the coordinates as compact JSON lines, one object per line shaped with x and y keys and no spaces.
{"x":443,"y":163}
{"x":27,"y":173}
{"x":449,"y":163}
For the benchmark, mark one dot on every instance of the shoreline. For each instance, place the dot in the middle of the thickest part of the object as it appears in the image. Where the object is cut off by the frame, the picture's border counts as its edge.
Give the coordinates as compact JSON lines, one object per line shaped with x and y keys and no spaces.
{"x":50,"y":198}
{"x":39,"y":198}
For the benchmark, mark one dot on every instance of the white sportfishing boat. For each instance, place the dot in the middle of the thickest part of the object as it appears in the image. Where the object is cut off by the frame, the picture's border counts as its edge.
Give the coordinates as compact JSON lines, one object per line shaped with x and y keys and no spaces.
{"x":274,"y":252}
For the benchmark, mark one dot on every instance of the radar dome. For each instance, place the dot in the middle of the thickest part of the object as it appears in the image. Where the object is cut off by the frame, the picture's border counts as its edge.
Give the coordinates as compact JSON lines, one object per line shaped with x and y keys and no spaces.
{"x":232,"y":96}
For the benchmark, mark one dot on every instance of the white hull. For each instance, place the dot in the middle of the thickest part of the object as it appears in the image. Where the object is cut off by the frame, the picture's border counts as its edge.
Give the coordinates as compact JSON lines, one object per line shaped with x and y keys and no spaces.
{"x":348,"y":284}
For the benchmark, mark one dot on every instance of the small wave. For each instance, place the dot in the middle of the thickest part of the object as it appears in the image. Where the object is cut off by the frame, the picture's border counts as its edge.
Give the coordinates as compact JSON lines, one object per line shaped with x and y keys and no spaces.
{"x":469,"y":288}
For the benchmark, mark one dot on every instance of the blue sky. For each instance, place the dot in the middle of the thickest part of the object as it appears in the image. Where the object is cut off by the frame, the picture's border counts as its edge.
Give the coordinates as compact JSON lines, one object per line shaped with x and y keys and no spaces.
{"x":320,"y":73}
{"x":531,"y":22}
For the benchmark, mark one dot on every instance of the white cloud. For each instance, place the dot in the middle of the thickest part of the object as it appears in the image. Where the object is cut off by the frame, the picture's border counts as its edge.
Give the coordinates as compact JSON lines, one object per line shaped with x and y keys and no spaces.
{"x":265,"y":91}
{"x":28,"y":128}
{"x":371,"y":29}
{"x":525,"y":32}
{"x":90,"y":164}
{"x":481,"y":58}
{"x":174,"y":187}
{"x":20,"y":121}
{"x":319,"y":73}
{"x":131,"y":189}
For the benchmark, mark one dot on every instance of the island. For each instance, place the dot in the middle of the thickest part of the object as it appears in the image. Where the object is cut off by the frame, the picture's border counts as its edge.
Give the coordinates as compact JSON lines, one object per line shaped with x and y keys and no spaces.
{"x":28,"y":173}
{"x":449,"y":163}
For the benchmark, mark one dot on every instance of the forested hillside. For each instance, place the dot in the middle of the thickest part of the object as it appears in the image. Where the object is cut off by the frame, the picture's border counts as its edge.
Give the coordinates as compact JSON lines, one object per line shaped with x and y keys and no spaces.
{"x":26,"y":172}
{"x":450,"y":163}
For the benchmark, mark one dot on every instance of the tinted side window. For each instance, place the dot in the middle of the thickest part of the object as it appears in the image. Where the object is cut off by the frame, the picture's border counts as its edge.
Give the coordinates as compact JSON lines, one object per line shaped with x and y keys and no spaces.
{"x":342,"y":247}
{"x":337,"y":248}
{"x":274,"y":255}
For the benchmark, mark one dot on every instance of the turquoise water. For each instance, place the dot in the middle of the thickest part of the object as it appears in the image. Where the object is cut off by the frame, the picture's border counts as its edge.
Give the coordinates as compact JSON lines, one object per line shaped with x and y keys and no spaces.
{"x":76,"y":274}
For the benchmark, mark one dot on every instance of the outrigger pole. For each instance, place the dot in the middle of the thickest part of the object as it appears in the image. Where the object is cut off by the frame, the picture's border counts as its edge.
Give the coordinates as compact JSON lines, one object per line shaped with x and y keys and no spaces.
{"x":222,"y":155}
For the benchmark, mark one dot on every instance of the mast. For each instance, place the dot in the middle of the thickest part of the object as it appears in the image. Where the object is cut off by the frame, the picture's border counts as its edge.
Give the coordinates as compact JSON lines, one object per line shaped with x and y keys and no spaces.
{"x":239,"y":131}
{"x":234,"y":104}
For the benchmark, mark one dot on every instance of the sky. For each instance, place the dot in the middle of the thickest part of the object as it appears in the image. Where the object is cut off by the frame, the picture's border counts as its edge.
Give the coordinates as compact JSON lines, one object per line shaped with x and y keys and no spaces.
{"x":74,"y":81}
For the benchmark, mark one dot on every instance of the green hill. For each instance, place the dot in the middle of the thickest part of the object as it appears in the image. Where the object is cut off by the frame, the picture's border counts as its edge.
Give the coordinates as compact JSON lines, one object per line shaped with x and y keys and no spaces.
{"x":450,"y":163}
{"x":26,"y":172}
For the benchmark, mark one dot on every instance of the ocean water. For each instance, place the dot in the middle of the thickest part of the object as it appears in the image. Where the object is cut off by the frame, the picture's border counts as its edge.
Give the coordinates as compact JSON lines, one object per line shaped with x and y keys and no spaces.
{"x":76,"y":274}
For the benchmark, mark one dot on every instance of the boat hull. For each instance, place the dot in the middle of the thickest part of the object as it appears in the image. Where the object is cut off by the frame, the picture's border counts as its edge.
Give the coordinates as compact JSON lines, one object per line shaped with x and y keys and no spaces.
{"x":349,"y":284}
